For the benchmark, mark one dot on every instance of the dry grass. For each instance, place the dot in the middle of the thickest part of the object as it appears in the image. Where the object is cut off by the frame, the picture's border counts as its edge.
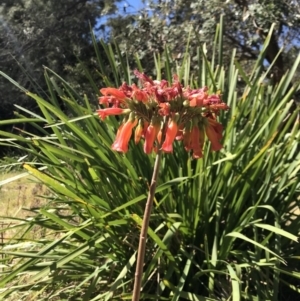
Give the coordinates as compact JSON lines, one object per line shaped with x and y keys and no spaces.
{"x":15,"y":197}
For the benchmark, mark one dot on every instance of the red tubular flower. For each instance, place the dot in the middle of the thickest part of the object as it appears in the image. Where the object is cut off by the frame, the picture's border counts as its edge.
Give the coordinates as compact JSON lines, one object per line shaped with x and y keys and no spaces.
{"x":217,"y":127}
{"x":139,"y":94}
{"x":179,"y":135}
{"x":197,"y":153}
{"x":219,"y":106}
{"x":138,"y":132}
{"x":123,"y":137}
{"x":187,"y":139}
{"x":176,"y":87}
{"x":150,"y":136}
{"x":195,"y":137}
{"x":119,"y":131}
{"x":213,"y":137}
{"x":201,"y":137}
{"x":159,"y":135}
{"x":127,"y":90}
{"x":143,"y":77}
{"x":146,"y":124}
{"x":104,"y":100}
{"x":113,"y":92}
{"x":197,"y":100}
{"x":196,"y":97}
{"x":213,"y":99}
{"x":196,"y":142}
{"x":164,"y":109}
{"x":171,"y":133}
{"x":112,"y":96}
{"x":103,"y":113}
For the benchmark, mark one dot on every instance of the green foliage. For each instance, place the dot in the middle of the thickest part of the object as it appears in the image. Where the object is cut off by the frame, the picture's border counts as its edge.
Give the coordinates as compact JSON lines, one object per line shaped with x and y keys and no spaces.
{"x":246,"y":24}
{"x":222,"y":228}
{"x":48,"y":33}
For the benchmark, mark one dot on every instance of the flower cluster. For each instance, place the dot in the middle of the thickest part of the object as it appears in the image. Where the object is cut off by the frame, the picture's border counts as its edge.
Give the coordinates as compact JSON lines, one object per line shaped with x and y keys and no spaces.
{"x":161,"y":112}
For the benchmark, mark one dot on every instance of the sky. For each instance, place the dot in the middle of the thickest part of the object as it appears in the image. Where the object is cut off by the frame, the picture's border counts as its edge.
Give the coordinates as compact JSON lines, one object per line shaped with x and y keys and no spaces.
{"x":124,"y":7}
{"x":130,"y":6}
{"x":133,"y":6}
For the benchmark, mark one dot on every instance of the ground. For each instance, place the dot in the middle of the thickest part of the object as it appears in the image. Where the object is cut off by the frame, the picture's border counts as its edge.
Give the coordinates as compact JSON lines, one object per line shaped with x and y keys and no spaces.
{"x":17,"y":198}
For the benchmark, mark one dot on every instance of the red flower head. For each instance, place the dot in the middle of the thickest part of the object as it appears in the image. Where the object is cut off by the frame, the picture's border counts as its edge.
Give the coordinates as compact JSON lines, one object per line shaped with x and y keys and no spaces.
{"x":191,"y":114}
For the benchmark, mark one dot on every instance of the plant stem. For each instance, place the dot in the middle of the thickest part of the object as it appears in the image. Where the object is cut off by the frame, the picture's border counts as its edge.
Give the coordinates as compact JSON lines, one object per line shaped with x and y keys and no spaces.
{"x":144,"y":230}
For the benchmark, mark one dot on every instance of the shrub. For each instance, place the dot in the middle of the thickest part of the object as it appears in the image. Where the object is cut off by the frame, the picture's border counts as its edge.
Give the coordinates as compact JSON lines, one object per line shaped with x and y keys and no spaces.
{"x":223,"y":227}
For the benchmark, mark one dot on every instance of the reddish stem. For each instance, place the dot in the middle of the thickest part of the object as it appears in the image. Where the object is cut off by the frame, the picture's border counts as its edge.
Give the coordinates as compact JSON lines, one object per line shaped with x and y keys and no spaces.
{"x":144,"y":230}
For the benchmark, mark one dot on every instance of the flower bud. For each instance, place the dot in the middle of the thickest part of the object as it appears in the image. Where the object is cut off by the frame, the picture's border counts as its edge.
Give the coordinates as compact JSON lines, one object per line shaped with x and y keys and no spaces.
{"x":138,"y":132}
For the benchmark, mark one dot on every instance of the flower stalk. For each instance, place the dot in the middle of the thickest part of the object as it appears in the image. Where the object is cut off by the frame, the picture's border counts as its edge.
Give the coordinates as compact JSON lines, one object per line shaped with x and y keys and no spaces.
{"x":161,"y":113}
{"x":145,"y":225}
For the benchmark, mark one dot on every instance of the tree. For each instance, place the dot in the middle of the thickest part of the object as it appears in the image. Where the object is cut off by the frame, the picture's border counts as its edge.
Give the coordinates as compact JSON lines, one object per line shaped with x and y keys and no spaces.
{"x":37,"y":33}
{"x":246,"y":23}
